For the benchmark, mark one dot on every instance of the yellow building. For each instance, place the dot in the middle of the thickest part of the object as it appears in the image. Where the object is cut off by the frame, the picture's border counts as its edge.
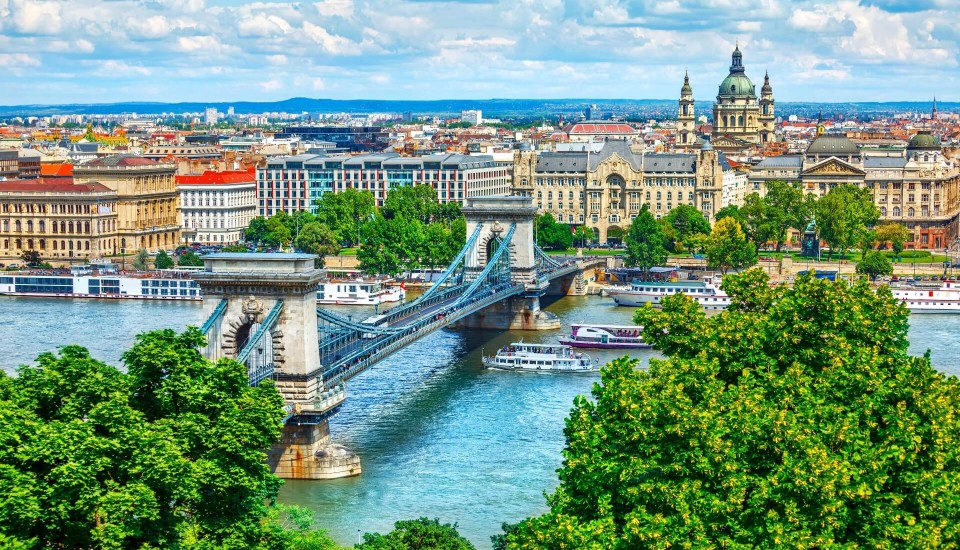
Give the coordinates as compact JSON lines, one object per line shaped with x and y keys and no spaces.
{"x":60,"y":220}
{"x":603,"y":186}
{"x":739,"y":120}
{"x":148,"y":202}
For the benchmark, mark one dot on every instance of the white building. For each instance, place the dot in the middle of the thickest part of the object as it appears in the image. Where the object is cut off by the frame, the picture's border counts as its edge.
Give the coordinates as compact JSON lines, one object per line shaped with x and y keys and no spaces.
{"x":734,"y":187}
{"x":211,"y":116}
{"x":217,"y":206}
{"x":473,"y":117}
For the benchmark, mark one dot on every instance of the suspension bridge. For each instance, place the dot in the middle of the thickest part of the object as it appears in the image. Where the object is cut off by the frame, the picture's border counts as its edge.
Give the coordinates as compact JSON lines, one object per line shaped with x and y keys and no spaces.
{"x":261,"y":310}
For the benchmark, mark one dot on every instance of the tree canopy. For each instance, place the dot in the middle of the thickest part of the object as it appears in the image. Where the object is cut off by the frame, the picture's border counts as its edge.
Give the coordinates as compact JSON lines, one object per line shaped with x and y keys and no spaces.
{"x":727,"y":248}
{"x":190,"y":259}
{"x":317,"y":238}
{"x":169,"y":454}
{"x":417,"y":534}
{"x":686,"y":220}
{"x":895,"y":234}
{"x":843,"y":214}
{"x":645,"y":241}
{"x":794,"y":419}
{"x":344,"y":212}
{"x":552,"y":235}
{"x":163,"y":260}
{"x":874,"y":264}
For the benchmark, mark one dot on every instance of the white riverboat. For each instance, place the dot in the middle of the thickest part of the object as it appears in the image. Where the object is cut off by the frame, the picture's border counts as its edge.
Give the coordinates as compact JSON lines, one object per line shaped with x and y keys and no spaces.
{"x":540,"y":357}
{"x":707,"y":293}
{"x":944,"y":298}
{"x":359,"y":292}
{"x":150,"y":287}
{"x":604,"y":337}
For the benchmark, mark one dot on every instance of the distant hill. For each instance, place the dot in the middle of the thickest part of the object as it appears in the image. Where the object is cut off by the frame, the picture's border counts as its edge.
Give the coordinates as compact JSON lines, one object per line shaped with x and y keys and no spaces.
{"x":490,"y":107}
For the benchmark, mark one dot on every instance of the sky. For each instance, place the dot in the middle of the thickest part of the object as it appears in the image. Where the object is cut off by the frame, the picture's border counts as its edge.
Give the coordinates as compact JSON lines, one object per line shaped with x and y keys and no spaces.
{"x":104,"y":51}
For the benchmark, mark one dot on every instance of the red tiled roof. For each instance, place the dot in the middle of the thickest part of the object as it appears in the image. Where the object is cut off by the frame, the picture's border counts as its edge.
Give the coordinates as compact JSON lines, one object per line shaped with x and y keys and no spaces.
{"x":212,"y":177}
{"x":60,"y":169}
{"x":591,"y":128}
{"x":54,"y":185}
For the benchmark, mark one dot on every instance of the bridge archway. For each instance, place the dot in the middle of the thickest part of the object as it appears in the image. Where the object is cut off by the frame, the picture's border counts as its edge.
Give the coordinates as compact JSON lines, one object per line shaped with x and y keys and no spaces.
{"x":495,"y":216}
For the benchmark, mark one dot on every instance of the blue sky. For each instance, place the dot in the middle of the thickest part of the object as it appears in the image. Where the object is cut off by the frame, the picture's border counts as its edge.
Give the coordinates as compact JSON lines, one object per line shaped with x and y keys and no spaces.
{"x":54,"y":51}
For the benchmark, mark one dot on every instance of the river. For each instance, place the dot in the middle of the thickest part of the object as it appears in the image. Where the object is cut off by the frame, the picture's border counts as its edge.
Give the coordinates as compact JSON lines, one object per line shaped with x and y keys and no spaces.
{"x":438,"y":435}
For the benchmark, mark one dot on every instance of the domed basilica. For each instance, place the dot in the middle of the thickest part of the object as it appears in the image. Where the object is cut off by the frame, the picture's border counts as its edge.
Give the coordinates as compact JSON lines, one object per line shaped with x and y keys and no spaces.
{"x":740,"y":121}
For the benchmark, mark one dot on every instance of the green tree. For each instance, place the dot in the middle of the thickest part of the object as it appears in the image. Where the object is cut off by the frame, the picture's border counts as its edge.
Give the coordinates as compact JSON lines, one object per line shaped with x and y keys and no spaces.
{"x":190,"y":259}
{"x":759,"y":224}
{"x":843,"y":214}
{"x":418,"y":534}
{"x":645,"y":242}
{"x":582,"y":236}
{"x":163,"y":260}
{"x":278,"y":230}
{"x":730,"y":211}
{"x":416,"y":202}
{"x":317,"y":238}
{"x":788,"y":208}
{"x":895,"y":234}
{"x":552,"y":235}
{"x":141,"y":262}
{"x":728,"y":248}
{"x":874,"y":264}
{"x":380,"y":248}
{"x":235,"y":248}
{"x":257,"y":231}
{"x":686,"y":220}
{"x":169,"y":453}
{"x":345,"y":212}
{"x":794,"y":419}
{"x":30,"y":258}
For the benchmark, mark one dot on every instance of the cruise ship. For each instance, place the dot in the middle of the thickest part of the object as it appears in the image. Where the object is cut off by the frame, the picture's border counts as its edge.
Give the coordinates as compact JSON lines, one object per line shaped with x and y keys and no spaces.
{"x":99,"y":286}
{"x":358,"y":292}
{"x":707,"y":293}
{"x":944,"y":298}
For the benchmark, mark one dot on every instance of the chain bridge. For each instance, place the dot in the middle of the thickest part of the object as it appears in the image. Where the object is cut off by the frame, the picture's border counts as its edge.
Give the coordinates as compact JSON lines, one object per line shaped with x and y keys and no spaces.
{"x":261,"y":310}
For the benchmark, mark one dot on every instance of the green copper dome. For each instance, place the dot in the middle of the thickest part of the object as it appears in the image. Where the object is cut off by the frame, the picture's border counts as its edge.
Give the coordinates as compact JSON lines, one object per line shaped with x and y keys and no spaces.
{"x":737,"y":84}
{"x":924,"y":140}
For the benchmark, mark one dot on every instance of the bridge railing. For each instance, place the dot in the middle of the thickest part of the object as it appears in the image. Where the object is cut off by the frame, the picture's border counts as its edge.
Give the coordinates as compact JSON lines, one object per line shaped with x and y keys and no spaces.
{"x":211,"y":330}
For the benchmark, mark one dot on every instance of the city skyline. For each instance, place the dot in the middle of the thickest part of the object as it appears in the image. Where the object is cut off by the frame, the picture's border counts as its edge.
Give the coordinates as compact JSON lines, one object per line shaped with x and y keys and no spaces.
{"x":194,"y":50}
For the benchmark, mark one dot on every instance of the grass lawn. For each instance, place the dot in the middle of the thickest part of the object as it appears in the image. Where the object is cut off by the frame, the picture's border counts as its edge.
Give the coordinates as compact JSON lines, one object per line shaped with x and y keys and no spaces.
{"x":348,"y":251}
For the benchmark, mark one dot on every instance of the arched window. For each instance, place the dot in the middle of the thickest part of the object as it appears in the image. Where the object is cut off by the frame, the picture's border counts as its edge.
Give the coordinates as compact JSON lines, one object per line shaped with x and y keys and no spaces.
{"x":896,"y":211}
{"x":658,"y":195}
{"x":54,"y":245}
{"x":70,"y":226}
{"x":29,"y":244}
{"x":16,"y":224}
{"x":648,"y":195}
{"x":43,"y":226}
{"x":910,"y":212}
{"x":740,"y":120}
{"x":86,"y":245}
{"x":766,"y":109}
{"x":883,"y":210}
{"x":19,"y":244}
{"x":86,"y":227}
{"x":63,"y":227}
{"x":30,"y":227}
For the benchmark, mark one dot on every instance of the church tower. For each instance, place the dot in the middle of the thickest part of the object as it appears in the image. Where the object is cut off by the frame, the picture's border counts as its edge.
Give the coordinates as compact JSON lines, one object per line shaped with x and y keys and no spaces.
{"x":686,"y":124}
{"x":766,"y":117}
{"x":736,"y":113}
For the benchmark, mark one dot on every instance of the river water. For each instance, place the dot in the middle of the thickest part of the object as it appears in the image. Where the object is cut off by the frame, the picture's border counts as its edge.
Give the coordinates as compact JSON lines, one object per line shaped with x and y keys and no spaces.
{"x":438,"y":436}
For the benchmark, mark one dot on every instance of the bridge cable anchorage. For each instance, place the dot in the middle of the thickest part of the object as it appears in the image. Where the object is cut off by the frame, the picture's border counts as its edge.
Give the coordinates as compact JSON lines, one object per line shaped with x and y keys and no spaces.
{"x":452,"y":268}
{"x":494,"y":262}
{"x":262,"y":363}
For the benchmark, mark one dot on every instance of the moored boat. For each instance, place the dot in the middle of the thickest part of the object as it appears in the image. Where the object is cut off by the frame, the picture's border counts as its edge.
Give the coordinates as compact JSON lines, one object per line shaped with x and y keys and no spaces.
{"x":707,"y":293}
{"x":540,"y":357}
{"x":604,"y":337}
{"x":147,"y":287}
{"x":359,"y":292}
{"x":942,"y":299}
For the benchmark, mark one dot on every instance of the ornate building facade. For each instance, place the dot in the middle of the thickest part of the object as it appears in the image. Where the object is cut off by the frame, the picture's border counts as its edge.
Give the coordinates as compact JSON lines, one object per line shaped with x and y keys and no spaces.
{"x":60,"y":220}
{"x":686,"y":121}
{"x":148,"y":202}
{"x":739,"y":120}
{"x":603,"y":186}
{"x":917,"y":186}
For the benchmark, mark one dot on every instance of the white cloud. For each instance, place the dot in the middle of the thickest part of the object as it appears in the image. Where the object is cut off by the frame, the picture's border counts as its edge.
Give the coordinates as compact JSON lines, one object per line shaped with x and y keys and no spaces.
{"x":333,"y":44}
{"x":262,"y":25}
{"x":278,"y":59}
{"x":31,"y":17}
{"x":271,"y":85}
{"x":150,"y":28}
{"x":335,"y":8}
{"x":18,"y":60}
{"x":119,"y":69}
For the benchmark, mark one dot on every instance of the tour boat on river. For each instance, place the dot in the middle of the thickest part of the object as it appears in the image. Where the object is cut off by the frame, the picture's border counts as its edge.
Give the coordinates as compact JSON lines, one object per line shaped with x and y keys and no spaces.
{"x":358,"y":292}
{"x":76,"y":285}
{"x":944,"y":298}
{"x":707,"y":293}
{"x":540,"y":357}
{"x":604,"y":337}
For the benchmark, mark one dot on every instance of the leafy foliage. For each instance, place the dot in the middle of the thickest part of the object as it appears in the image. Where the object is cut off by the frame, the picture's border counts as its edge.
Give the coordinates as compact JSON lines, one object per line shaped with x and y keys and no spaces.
{"x":582,"y":236}
{"x":787,"y":207}
{"x":417,"y":534}
{"x":686,"y":220}
{"x":759,"y":224}
{"x":317,"y":238}
{"x":170,"y":453}
{"x":895,"y":234}
{"x":163,"y":260}
{"x":344,"y":212}
{"x":141,"y":262}
{"x":30,"y":258}
{"x":844,"y":214}
{"x":794,"y":419}
{"x":190,"y":259}
{"x":552,"y":235}
{"x":645,"y":241}
{"x":727,"y":247}
{"x":874,"y":264}
{"x":730,"y":211}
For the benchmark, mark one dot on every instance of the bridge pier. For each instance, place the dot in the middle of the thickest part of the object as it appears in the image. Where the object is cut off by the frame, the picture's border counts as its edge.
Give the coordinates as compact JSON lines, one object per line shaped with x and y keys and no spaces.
{"x":262,"y":311}
{"x":516,"y":313}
